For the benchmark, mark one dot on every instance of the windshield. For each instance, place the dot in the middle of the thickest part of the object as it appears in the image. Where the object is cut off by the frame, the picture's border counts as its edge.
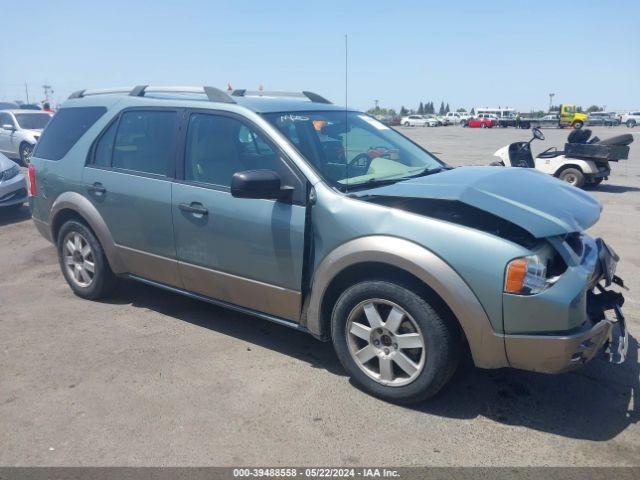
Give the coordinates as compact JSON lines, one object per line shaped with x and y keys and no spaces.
{"x":32,"y":121}
{"x":351,"y":149}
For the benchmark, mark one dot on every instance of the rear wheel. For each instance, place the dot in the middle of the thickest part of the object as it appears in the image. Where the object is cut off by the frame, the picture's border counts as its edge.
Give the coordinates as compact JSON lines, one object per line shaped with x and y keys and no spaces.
{"x":574,"y":176}
{"x":407,"y":124}
{"x":577,"y":125}
{"x":393,"y":343}
{"x":83,"y":262}
{"x":631,"y":123}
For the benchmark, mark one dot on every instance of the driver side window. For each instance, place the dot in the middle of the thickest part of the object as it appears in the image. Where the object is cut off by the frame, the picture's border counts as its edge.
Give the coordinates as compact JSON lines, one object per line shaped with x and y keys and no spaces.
{"x":217,"y":146}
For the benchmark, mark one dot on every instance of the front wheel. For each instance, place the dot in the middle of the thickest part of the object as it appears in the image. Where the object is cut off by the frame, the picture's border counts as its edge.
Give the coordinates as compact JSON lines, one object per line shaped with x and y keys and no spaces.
{"x":631,"y":123}
{"x":83,"y":262}
{"x":26,"y":150}
{"x":574,"y":176}
{"x":393,"y":343}
{"x":407,"y":124}
{"x":577,"y":125}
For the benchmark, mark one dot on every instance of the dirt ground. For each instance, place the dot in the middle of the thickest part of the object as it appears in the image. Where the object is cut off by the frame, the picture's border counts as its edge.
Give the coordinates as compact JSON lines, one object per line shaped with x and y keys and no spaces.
{"x":153,"y":378}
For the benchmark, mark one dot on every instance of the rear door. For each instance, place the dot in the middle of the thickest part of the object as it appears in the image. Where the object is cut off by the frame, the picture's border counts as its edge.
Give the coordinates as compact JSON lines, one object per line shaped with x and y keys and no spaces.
{"x":128,"y":179}
{"x":246,"y":252}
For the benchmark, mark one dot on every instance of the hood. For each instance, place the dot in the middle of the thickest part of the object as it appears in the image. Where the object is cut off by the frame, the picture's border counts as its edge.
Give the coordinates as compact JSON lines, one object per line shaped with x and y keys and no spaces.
{"x":538,"y":203}
{"x":33,"y":131}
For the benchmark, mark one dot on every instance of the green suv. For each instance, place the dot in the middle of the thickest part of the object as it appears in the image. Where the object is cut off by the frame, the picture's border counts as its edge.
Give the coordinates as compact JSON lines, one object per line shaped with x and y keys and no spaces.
{"x":322,"y":219}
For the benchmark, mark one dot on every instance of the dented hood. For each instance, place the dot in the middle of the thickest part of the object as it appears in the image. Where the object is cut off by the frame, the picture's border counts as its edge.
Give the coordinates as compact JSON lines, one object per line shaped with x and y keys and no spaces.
{"x":539,"y":203}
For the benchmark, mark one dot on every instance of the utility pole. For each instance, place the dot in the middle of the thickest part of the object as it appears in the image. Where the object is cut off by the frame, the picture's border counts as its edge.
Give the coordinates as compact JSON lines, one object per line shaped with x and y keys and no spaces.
{"x":47,"y":91}
{"x":551,"y":95}
{"x":26,"y":90}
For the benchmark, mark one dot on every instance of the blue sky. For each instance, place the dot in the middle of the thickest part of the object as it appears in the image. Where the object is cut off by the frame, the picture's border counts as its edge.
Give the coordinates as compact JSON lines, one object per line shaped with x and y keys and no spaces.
{"x":467,"y":53}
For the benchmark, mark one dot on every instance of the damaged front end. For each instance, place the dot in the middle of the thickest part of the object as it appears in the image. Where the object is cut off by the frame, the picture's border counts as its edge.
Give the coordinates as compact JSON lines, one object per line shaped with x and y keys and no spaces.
{"x":600,"y":301}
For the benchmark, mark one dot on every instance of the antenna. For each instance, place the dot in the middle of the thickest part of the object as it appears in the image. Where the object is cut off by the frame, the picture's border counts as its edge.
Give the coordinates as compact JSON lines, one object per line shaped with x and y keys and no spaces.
{"x":346,"y":115}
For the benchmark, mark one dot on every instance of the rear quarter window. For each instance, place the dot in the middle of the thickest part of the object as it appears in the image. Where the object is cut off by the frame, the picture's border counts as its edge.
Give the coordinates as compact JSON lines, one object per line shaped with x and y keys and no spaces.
{"x":65,"y":129}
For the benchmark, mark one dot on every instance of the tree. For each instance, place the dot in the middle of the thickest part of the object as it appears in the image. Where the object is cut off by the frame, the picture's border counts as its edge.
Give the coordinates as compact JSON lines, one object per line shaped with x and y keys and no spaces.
{"x":441,"y":111}
{"x":403,"y":111}
{"x":461,"y":110}
{"x":473,"y":111}
{"x":447,"y":109}
{"x":594,"y":108}
{"x":420,"y":109}
{"x":431,"y":109}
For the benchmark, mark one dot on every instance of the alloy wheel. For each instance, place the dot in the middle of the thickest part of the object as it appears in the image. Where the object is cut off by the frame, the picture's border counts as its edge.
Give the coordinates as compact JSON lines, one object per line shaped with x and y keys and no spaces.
{"x":79,"y":259}
{"x":25,"y":154}
{"x":391,"y":351}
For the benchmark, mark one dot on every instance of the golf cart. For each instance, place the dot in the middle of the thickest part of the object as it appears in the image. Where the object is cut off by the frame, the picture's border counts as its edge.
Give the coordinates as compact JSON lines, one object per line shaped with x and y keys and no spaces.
{"x":584,"y":160}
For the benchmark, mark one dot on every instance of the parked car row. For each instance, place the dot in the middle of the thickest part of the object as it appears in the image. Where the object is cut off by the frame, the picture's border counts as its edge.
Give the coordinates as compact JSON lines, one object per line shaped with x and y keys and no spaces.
{"x":19,"y":132}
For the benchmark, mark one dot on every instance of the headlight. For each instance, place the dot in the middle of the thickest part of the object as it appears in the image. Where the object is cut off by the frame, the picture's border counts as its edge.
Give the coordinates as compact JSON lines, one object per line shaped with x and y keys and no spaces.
{"x":534,"y":273}
{"x":9,"y":173}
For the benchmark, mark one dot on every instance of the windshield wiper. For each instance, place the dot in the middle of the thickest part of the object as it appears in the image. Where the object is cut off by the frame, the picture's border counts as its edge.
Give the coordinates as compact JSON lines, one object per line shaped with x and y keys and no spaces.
{"x":429,"y":171}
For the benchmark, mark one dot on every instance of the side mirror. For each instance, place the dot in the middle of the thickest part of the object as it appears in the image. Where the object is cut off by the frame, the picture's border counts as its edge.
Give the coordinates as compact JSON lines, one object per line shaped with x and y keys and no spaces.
{"x":8,"y":126}
{"x":262,"y":184}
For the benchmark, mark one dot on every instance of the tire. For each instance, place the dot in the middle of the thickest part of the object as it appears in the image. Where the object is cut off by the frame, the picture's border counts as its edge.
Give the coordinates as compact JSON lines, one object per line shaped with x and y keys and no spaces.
{"x":484,"y":125}
{"x":631,"y":123}
{"x":577,"y":125}
{"x":574,"y":176}
{"x":438,"y":334}
{"x":97,"y":284}
{"x":497,"y":163}
{"x":407,"y":124}
{"x":26,"y":150}
{"x":597,"y":181}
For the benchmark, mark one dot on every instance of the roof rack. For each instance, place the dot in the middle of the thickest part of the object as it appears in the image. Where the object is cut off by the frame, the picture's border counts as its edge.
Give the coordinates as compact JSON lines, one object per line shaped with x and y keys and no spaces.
{"x":313,"y":97}
{"x":212,"y":93}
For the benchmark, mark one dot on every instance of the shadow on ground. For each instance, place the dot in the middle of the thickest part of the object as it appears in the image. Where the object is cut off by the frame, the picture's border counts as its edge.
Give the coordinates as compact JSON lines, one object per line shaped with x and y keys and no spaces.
{"x":594,"y":403}
{"x":249,"y":329}
{"x":10,"y":215}
{"x":608,"y":188}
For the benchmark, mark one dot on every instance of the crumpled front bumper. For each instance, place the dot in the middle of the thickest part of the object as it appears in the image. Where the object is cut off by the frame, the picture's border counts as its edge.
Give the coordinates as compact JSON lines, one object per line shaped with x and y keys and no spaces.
{"x":604,"y":332}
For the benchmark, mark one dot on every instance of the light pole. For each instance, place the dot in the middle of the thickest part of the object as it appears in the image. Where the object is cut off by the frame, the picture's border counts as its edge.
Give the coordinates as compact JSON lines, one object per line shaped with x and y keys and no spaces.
{"x":551,"y":95}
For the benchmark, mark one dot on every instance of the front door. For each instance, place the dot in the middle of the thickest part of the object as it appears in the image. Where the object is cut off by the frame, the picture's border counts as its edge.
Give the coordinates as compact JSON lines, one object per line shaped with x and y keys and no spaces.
{"x":128,"y":181}
{"x":246,"y":252}
{"x":6,"y":135}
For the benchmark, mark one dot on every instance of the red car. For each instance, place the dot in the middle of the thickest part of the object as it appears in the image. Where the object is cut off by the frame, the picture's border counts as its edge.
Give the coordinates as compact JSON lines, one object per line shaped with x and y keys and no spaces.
{"x":481,"y":122}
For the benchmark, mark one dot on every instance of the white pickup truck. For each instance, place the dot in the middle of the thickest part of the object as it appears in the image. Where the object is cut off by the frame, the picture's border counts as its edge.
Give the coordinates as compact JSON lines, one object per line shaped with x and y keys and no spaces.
{"x":630,"y":119}
{"x":455,"y":118}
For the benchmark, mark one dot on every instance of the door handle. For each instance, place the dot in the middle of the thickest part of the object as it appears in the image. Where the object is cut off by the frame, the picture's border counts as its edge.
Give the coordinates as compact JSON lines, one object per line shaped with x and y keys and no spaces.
{"x":97,"y":188}
{"x":193,"y":207}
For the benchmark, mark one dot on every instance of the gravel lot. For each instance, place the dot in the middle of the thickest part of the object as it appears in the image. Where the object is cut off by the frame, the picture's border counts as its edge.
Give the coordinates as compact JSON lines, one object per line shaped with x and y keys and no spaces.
{"x":152,"y":378}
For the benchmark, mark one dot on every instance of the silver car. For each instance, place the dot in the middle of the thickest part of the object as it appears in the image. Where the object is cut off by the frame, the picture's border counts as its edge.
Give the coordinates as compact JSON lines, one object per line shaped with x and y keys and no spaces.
{"x":13,"y":185}
{"x":19,"y":132}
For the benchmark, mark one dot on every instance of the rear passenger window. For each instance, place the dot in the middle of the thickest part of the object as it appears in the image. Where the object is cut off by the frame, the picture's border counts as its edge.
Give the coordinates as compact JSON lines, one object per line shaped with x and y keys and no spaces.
{"x":65,"y":129}
{"x":145,"y":141}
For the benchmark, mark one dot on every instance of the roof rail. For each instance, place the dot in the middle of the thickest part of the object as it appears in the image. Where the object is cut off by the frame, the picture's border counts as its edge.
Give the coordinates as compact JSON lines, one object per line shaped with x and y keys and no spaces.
{"x":212,"y":93}
{"x":313,"y":97}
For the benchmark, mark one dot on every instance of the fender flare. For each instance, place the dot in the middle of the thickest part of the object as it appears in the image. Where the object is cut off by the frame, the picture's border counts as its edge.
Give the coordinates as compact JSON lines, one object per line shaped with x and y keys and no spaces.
{"x":83,"y":207}
{"x":487,"y":347}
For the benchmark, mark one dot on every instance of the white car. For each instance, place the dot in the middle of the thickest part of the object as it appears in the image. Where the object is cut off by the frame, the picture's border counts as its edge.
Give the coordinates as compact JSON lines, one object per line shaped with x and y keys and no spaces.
{"x":414,"y":121}
{"x":456,"y":118}
{"x":630,"y":119}
{"x":19,"y":132}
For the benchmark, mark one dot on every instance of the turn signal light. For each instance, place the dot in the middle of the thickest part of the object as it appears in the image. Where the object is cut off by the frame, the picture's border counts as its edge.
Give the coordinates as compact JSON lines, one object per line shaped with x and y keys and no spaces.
{"x":516,"y":272}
